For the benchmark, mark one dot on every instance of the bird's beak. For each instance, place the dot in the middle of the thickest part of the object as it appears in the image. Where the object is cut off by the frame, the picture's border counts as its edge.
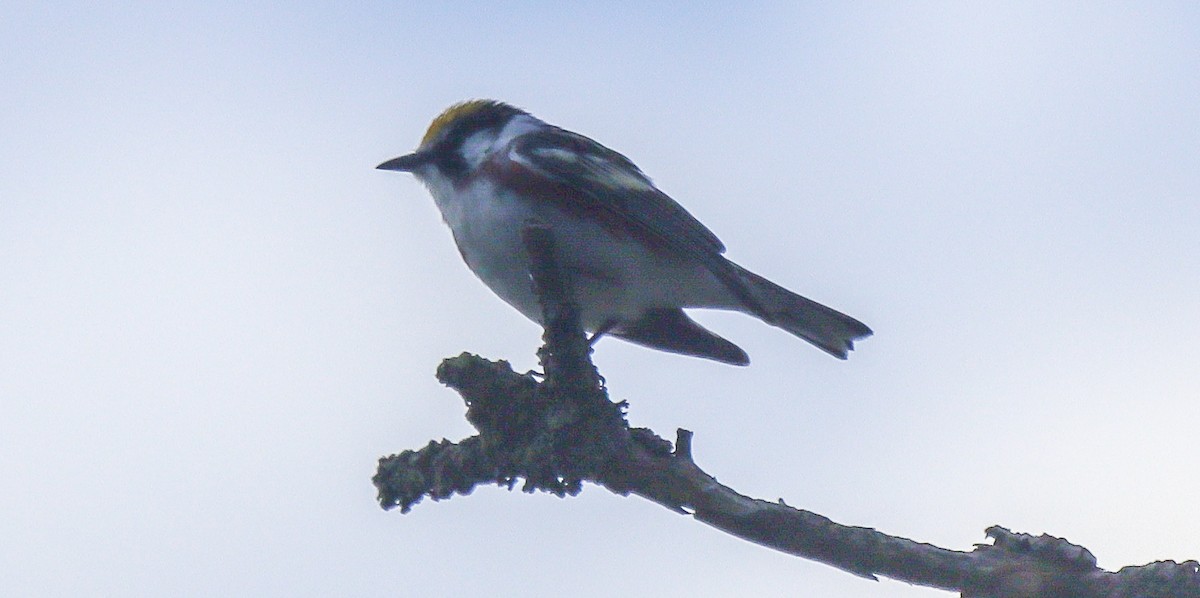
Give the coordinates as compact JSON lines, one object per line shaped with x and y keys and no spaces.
{"x":407,"y":163}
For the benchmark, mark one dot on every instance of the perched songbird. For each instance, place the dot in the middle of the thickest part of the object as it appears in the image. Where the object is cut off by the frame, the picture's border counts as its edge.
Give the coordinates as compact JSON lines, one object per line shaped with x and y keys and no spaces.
{"x":637,"y":258}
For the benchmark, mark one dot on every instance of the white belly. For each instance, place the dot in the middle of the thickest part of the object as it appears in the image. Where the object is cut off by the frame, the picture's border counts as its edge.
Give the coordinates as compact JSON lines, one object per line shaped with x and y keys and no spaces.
{"x":616,"y":279}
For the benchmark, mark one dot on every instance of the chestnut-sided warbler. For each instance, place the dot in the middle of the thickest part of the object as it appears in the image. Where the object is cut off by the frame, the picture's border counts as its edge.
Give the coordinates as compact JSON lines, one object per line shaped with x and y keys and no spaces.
{"x":637,"y":258}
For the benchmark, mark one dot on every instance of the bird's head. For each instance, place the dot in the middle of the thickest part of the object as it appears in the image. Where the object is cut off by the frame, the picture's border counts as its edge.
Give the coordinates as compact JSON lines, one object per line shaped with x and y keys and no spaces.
{"x":459,"y":139}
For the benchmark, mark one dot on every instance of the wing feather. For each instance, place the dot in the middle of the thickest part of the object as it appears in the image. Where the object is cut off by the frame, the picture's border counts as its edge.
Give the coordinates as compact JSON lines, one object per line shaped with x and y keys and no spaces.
{"x":584,"y":178}
{"x":605,"y":183}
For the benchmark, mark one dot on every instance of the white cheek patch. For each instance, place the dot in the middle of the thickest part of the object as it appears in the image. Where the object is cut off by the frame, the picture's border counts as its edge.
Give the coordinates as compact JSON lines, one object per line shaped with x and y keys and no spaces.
{"x":476,"y":148}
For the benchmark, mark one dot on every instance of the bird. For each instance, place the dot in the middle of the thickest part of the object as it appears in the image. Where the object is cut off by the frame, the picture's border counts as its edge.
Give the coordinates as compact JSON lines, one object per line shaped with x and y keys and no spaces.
{"x":636,"y":257}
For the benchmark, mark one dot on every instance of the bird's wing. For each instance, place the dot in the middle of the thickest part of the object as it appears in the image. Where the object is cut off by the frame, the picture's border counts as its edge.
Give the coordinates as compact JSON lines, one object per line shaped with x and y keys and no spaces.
{"x":585,"y":178}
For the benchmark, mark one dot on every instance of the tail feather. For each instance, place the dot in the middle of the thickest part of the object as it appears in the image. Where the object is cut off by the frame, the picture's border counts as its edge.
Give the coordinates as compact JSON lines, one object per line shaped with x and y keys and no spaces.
{"x":672,"y":330}
{"x":828,"y":329}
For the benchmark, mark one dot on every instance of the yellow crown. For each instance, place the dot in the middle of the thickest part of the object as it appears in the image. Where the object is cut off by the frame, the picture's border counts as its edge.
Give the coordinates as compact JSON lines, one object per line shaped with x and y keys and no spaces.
{"x":460,"y":111}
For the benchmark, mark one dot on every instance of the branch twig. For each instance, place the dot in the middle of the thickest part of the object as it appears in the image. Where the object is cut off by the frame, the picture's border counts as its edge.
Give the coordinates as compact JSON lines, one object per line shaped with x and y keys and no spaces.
{"x":556,"y":433}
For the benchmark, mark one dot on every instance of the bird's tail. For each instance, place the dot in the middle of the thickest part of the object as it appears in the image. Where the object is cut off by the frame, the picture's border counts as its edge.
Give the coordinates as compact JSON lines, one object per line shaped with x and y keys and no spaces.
{"x":830,"y":330}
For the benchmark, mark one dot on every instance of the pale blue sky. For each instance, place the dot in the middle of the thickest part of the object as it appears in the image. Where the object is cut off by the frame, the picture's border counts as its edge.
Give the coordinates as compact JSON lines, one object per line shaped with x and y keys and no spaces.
{"x":216,"y":315}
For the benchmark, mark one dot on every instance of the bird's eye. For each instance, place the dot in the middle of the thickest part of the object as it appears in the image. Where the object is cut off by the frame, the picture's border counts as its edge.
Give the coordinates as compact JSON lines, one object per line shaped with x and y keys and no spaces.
{"x":451,"y":164}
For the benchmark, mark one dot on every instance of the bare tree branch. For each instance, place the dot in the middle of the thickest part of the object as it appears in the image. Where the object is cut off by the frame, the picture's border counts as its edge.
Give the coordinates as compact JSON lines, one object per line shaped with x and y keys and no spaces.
{"x":557,"y":432}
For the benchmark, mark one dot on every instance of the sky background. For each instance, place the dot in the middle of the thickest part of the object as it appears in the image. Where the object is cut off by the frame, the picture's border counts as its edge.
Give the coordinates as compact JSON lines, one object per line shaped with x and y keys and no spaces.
{"x":215,"y":315}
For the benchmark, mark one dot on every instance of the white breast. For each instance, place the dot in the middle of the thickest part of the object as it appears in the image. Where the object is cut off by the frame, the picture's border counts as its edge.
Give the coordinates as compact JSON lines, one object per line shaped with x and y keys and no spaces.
{"x":615,"y":278}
